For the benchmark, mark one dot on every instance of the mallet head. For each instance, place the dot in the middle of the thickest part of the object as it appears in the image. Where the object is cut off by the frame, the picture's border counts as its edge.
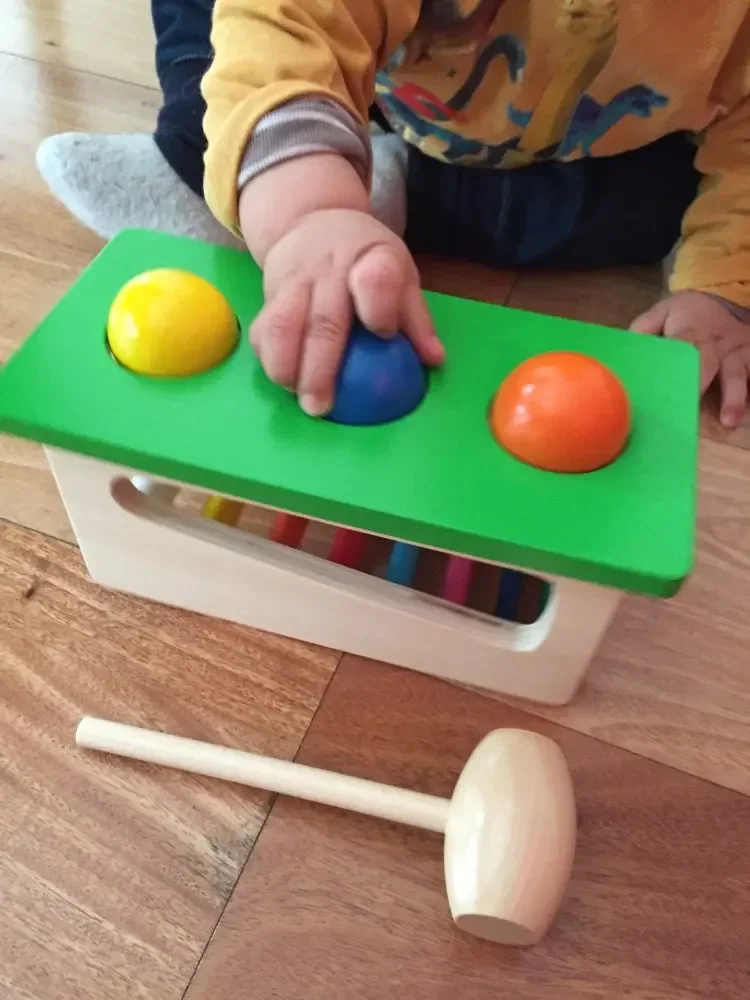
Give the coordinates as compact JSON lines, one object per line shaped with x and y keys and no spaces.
{"x":510,"y":838}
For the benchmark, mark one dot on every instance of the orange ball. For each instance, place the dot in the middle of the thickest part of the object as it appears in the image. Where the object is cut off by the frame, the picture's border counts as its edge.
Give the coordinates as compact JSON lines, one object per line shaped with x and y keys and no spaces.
{"x":563,"y":412}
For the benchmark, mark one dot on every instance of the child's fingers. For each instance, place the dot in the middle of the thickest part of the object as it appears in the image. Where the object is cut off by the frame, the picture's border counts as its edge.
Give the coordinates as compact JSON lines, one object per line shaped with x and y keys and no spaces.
{"x":709,"y":359}
{"x":733,"y":376}
{"x":375,"y":283}
{"x":652,"y":321}
{"x":328,"y":324}
{"x":277,"y":333}
{"x":417,"y":324}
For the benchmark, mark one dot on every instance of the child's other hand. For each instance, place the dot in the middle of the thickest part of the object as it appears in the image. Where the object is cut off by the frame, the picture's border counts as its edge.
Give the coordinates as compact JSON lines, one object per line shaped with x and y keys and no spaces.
{"x":330,"y":265}
{"x":722,"y":339}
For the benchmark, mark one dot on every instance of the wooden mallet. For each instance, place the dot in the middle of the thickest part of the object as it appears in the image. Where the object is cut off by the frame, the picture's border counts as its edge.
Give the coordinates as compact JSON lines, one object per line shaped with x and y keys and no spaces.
{"x":510,"y":825}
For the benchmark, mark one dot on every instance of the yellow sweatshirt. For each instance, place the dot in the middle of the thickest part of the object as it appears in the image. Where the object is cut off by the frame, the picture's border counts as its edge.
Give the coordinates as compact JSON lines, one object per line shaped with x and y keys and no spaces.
{"x":498,"y":84}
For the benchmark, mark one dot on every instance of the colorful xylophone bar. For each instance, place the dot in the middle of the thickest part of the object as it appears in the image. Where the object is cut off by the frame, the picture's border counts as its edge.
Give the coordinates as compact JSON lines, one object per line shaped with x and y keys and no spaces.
{"x":520,"y":598}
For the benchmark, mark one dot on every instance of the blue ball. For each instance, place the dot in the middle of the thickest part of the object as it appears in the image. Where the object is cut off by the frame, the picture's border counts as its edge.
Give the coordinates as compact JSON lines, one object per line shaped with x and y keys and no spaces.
{"x":379,"y":380}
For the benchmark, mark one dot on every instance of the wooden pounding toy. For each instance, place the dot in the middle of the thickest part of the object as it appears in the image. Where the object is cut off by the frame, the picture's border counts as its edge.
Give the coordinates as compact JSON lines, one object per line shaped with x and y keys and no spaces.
{"x":510,"y":825}
{"x":436,"y":479}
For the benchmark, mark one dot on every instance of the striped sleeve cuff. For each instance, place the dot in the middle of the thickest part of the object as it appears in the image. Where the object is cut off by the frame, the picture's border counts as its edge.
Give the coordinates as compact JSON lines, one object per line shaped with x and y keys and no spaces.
{"x":301,"y":128}
{"x":742,"y":313}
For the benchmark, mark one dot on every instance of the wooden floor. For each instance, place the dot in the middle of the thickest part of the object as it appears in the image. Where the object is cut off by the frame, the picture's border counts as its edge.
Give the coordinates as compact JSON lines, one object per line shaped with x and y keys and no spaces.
{"x":121,"y":882}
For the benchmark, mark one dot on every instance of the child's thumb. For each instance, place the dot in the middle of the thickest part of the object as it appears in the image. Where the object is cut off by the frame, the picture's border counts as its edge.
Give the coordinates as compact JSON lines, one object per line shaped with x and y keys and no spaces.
{"x":651,"y":321}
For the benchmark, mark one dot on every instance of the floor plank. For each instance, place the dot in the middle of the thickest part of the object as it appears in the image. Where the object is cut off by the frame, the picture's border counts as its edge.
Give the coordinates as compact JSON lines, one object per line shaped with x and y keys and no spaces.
{"x":466,"y":280}
{"x":336,"y":905}
{"x":42,"y":248}
{"x":28,"y":494}
{"x":112,"y":877}
{"x":671,"y":680}
{"x":104,"y":37}
{"x":612,"y":298}
{"x":31,"y":286}
{"x":39,"y":100}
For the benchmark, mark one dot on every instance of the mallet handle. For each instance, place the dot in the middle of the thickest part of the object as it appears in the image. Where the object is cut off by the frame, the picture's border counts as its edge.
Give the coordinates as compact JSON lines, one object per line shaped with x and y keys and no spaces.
{"x":283,"y":776}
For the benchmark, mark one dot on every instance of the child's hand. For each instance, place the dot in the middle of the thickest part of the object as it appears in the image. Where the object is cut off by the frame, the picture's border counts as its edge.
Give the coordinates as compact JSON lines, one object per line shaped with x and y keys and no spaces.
{"x":722,"y":339}
{"x":307,"y":222}
{"x":329,"y":266}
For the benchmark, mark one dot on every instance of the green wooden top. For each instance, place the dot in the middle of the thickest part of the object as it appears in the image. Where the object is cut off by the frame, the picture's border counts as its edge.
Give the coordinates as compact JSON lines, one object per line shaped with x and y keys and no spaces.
{"x":436,"y":478}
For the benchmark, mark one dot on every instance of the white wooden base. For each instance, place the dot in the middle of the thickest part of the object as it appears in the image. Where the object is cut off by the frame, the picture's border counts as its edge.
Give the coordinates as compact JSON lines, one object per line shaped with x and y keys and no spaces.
{"x":134,"y":540}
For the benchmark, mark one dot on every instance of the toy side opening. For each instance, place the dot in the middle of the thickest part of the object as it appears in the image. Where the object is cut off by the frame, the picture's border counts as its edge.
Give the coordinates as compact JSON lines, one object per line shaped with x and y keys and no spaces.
{"x":493,"y":593}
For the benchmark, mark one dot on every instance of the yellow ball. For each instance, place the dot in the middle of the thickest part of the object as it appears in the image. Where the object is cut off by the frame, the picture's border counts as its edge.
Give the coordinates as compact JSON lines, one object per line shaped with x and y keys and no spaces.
{"x":170,"y":322}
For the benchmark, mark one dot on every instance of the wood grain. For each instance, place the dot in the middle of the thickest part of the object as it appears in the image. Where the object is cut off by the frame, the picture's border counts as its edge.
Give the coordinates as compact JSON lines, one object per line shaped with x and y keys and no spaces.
{"x":468,"y":281}
{"x":333,"y":905}
{"x":42,"y":248}
{"x":28,"y":494}
{"x":613,"y":298}
{"x":39,"y":100}
{"x":672,"y":679}
{"x":102,"y":37}
{"x":112,"y":876}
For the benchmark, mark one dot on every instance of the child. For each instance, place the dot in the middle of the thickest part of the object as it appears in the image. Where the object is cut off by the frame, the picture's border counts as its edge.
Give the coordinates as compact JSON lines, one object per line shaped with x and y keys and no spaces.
{"x":535,"y":133}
